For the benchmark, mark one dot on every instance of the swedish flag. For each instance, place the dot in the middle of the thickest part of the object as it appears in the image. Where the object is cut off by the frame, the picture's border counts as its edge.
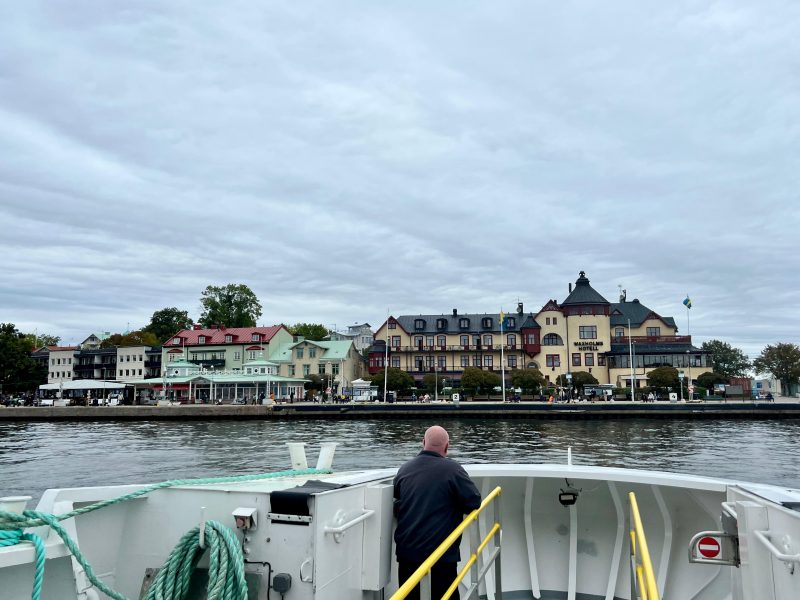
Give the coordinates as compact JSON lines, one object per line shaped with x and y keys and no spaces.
{"x":503,"y":319}
{"x":687,"y":302}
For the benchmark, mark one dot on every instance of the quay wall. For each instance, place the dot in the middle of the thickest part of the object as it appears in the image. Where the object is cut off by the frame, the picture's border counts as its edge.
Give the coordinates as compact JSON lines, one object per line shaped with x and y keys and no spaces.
{"x":469,"y":410}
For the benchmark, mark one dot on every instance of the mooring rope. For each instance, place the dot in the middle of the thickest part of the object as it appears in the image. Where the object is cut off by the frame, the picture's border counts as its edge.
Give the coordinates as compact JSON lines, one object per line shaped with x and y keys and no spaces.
{"x":226,"y":563}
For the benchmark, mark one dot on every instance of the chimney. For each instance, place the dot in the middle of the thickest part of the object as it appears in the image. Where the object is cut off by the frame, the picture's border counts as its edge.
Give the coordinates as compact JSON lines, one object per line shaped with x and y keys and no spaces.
{"x":519,"y":308}
{"x":623,"y":295}
{"x":197,"y":327}
{"x":455,"y":312}
{"x":570,"y":287}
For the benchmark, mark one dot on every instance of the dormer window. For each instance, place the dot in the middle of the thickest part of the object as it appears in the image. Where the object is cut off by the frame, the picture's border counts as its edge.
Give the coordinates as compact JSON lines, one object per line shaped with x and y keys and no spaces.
{"x":228,"y":339}
{"x":487,"y":323}
{"x":441,"y":324}
{"x":176,"y":340}
{"x":511,"y":321}
{"x":419,"y":324}
{"x":201,"y":339}
{"x":463,"y":323}
{"x":256,"y":337}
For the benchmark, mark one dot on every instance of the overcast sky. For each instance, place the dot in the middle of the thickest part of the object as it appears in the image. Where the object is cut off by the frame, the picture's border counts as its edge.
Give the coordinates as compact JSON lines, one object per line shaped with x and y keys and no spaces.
{"x":345,"y":159}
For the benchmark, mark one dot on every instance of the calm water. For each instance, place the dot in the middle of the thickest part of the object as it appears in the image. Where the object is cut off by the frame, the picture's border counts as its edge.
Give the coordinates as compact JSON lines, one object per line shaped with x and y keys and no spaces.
{"x":37,"y":456}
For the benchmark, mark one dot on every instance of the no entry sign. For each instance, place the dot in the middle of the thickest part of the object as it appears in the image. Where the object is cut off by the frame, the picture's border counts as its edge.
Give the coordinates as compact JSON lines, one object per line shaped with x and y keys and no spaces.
{"x":708,"y":547}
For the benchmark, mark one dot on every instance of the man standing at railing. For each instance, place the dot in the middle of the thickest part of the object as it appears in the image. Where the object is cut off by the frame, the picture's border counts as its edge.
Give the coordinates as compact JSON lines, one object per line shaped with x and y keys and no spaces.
{"x":432,"y":494}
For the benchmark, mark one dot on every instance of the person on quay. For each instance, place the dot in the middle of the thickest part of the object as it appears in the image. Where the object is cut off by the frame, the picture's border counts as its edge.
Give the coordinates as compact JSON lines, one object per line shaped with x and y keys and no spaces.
{"x":432,"y":494}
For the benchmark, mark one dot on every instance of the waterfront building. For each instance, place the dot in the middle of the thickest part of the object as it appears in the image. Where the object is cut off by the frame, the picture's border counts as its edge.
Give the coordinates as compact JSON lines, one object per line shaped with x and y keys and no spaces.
{"x":60,"y":363}
{"x":338,"y":363}
{"x":584,"y":332}
{"x":361,"y":336}
{"x":224,"y":348}
{"x":94,"y":340}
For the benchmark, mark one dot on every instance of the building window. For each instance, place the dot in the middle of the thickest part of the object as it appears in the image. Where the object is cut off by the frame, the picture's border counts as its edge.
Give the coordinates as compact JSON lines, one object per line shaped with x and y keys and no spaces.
{"x":256,"y":337}
{"x":555,"y":320}
{"x":553,"y":360}
{"x":429,"y":362}
{"x":588,"y":359}
{"x":306,"y":370}
{"x":476,"y":361}
{"x":487,"y":323}
{"x":396,"y":362}
{"x":395,"y":341}
{"x":251,"y":355}
{"x":176,"y":340}
{"x":464,"y":360}
{"x":653,"y":331}
{"x":601,"y":360}
{"x":418,"y":341}
{"x":228,"y":339}
{"x":587,"y":332}
{"x":463,"y":323}
{"x":464,"y":340}
{"x":441,"y":361}
{"x":321,"y":368}
{"x":291,"y":370}
{"x":512,"y":362}
{"x":487,"y":340}
{"x":418,"y":363}
{"x":552,"y":339}
{"x":334,"y":369}
{"x":237,"y":356}
{"x":140,"y":372}
{"x":530,"y":338}
{"x":419,"y":324}
{"x":488,"y":361}
{"x":441,"y":340}
{"x":576,"y":359}
{"x":201,"y":339}
{"x":511,"y":321}
{"x":392,"y":325}
{"x":300,"y":353}
{"x":441,"y":324}
{"x":547,"y":321}
{"x":619,"y":332}
{"x":511,"y":340}
{"x":312,"y":353}
{"x":429,"y":340}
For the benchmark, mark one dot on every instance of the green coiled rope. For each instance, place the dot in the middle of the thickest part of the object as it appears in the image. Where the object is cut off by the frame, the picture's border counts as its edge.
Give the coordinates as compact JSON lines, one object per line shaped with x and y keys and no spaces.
{"x":226,"y":563}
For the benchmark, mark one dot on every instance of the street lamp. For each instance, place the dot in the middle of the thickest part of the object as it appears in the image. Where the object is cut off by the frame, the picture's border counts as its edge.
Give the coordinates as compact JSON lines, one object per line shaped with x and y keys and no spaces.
{"x":680,"y":378}
{"x":435,"y":380}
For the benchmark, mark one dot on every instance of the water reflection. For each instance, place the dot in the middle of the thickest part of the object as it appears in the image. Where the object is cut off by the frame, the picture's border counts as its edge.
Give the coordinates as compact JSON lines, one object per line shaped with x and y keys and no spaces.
{"x":37,"y":456}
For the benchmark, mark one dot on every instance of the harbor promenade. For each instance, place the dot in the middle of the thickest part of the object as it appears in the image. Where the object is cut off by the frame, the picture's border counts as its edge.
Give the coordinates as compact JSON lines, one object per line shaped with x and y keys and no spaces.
{"x":781,"y":408}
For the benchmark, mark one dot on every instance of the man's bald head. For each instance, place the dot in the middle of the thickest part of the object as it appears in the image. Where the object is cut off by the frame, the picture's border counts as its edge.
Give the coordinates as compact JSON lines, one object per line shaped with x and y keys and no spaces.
{"x":436,"y":440}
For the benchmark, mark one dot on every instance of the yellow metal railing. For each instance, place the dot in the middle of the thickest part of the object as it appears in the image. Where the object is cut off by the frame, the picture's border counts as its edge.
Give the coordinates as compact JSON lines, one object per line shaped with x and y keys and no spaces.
{"x":643,"y":581}
{"x":425,"y":568}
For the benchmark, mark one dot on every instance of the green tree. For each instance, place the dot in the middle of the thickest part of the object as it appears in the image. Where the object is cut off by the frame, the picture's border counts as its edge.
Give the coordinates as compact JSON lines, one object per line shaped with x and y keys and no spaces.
{"x":783,"y":362}
{"x":398,"y":380}
{"x":429,"y":382}
{"x":530,"y":380}
{"x":727,"y":360}
{"x":37,"y":340}
{"x":134,"y":338}
{"x":310,"y":331}
{"x":18,"y":371}
{"x":708,"y":379}
{"x":232,"y":305}
{"x":167,"y":322}
{"x":579,"y":379}
{"x":474,"y":380}
{"x":663,"y":378}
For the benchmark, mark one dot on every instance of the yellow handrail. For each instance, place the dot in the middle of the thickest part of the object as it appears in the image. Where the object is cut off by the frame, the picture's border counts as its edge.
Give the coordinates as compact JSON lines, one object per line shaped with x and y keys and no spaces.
{"x":427,"y":565}
{"x":644,"y":568}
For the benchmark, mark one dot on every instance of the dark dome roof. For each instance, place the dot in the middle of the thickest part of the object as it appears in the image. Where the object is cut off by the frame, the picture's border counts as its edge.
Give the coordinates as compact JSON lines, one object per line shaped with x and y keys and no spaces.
{"x":584,"y":293}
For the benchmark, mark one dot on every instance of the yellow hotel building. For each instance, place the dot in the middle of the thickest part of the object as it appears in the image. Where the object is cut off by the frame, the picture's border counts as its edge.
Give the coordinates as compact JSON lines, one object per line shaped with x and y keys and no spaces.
{"x":585,"y":332}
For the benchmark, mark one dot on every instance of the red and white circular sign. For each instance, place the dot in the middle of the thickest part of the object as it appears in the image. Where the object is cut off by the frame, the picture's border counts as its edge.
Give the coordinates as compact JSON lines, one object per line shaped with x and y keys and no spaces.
{"x":708,"y":547}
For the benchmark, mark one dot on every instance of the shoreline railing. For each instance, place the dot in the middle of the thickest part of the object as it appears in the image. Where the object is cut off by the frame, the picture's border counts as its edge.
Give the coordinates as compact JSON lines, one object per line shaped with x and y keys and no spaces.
{"x":643,"y":580}
{"x":422,"y":576}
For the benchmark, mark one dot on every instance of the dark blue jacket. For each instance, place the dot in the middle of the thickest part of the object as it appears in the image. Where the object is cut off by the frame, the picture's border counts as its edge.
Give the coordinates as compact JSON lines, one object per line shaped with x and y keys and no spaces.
{"x":432,"y":494}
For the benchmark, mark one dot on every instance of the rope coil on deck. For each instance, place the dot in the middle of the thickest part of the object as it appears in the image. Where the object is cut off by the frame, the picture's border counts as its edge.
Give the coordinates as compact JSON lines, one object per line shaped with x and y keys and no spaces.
{"x":226,"y":563}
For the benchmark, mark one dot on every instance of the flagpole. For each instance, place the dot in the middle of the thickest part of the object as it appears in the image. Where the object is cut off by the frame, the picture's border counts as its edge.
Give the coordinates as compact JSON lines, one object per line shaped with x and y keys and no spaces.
{"x":502,"y":355}
{"x":386,"y":357}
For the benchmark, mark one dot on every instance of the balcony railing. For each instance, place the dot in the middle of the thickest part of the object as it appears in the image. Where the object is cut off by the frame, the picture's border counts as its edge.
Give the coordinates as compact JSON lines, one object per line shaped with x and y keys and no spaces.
{"x":653,"y":339}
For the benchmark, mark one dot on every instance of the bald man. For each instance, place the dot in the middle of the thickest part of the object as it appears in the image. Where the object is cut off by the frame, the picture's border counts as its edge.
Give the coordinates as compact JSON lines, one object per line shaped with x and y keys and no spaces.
{"x":432,"y":494}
